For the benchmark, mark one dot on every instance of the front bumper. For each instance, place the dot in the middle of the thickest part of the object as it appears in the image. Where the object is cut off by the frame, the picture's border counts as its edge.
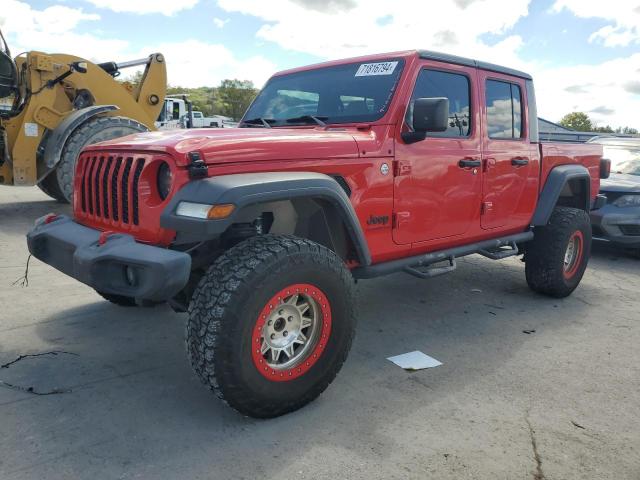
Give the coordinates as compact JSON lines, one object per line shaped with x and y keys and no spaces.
{"x":620,"y":226}
{"x":118,"y":266}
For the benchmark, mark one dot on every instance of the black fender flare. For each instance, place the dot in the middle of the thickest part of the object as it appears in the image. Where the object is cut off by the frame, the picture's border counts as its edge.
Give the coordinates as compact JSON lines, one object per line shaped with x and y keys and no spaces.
{"x":556,"y":181}
{"x":247,"y":189}
{"x":59,"y":136}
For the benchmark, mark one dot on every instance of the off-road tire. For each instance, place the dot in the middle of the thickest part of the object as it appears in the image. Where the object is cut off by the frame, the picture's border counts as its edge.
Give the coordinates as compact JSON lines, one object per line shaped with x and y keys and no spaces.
{"x":97,"y":129}
{"x":120,"y":300}
{"x":545,"y":256}
{"x":226,"y":308}
{"x":49,"y":185}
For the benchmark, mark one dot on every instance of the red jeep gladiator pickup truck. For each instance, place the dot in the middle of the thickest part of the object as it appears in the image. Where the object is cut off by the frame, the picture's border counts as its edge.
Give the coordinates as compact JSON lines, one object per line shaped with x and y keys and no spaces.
{"x":345,"y":170}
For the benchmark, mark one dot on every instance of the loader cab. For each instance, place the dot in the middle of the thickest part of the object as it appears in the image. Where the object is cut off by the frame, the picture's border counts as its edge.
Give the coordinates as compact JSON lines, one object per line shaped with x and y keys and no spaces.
{"x":8,"y":83}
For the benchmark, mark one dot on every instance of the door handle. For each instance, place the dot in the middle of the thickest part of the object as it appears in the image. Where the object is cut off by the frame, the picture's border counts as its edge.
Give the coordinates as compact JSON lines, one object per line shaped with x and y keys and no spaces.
{"x":469,"y":162}
{"x":519,"y":161}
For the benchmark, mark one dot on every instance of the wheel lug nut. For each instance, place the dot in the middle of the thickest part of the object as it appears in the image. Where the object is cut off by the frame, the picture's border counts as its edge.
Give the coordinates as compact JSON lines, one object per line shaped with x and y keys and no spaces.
{"x":280,"y":312}
{"x":290,"y":319}
{"x":269,"y":322}
{"x":273,"y":335}
{"x":285,"y":333}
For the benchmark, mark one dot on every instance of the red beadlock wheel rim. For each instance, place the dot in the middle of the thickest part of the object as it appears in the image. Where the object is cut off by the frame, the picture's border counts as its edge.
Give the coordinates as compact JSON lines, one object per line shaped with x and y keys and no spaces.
{"x":573,"y":254}
{"x":291,"y":332}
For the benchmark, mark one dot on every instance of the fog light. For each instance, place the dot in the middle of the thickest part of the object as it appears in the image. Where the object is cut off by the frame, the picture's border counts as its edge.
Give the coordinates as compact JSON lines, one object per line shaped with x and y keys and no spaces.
{"x":130,"y":275}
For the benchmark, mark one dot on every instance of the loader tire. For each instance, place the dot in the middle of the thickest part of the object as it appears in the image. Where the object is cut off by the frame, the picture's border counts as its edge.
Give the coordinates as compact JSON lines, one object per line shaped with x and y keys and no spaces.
{"x":97,"y":129}
{"x":49,"y":185}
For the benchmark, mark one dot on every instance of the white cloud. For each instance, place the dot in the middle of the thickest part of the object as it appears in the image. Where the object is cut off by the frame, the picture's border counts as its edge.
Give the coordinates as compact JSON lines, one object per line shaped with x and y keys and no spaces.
{"x":190,"y":63}
{"x":342,"y":28}
{"x":220,"y":23}
{"x":165,"y":7}
{"x":52,"y":29}
{"x":194,"y":63}
{"x":603,"y":91}
{"x":624,"y":15}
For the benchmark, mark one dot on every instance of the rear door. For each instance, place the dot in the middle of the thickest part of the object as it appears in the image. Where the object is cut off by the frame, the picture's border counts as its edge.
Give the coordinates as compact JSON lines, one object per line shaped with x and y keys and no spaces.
{"x":510,"y":166}
{"x":437,"y":184}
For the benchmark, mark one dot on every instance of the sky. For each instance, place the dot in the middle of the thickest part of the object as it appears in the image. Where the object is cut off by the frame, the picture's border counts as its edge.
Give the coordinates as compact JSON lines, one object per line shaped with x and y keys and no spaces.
{"x":584,"y":55}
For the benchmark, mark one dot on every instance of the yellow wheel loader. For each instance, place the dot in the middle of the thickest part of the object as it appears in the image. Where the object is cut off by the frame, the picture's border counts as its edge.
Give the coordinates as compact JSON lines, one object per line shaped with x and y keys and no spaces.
{"x":53,"y":105}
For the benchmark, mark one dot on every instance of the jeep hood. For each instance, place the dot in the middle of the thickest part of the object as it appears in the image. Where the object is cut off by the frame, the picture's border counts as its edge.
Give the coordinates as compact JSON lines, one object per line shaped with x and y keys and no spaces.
{"x":245,"y":144}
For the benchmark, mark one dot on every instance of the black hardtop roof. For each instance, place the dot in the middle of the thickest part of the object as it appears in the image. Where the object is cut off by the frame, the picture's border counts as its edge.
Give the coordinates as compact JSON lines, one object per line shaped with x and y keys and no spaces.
{"x":469,"y":62}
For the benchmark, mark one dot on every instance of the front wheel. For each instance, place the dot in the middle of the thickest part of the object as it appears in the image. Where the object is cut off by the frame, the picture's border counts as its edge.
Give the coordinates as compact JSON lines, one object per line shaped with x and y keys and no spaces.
{"x":271,"y":323}
{"x":557,"y":257}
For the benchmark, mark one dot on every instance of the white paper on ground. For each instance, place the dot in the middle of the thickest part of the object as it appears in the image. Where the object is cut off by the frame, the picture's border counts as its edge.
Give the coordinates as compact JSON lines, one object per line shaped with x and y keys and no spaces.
{"x":414,"y":361}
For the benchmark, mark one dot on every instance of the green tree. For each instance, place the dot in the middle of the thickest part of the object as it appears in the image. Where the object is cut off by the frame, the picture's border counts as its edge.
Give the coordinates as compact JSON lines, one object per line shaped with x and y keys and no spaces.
{"x":606,"y":129}
{"x":134,"y":79}
{"x":578,"y":121}
{"x":233,"y":97}
{"x":202,"y":98}
{"x":627,"y":130}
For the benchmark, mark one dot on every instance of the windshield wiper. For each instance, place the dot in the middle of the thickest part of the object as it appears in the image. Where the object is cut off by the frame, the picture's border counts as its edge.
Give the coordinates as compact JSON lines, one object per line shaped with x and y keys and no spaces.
{"x":307,"y":118}
{"x":260,"y":121}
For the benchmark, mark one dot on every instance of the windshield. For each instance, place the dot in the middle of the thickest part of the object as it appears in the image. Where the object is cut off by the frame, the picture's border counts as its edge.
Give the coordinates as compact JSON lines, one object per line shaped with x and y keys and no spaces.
{"x":623,"y":159}
{"x":355,"y":92}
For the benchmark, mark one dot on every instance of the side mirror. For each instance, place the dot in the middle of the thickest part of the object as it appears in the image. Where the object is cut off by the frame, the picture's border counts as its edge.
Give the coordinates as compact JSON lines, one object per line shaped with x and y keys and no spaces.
{"x":429,"y":115}
{"x":8,"y":76}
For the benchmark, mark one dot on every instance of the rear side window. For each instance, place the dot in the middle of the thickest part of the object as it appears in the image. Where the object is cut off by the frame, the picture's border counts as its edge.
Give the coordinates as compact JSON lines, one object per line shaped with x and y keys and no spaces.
{"x":504,"y":110}
{"x":455,"y":87}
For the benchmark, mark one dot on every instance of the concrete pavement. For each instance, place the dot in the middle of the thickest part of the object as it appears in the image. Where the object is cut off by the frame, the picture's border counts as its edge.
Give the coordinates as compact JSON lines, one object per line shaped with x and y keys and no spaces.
{"x":561,"y":402}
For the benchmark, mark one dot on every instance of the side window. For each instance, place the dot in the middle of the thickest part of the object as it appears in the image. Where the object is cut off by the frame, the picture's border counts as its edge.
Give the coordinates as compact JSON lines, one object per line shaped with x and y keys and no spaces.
{"x":504,"y":110}
{"x":455,"y":87}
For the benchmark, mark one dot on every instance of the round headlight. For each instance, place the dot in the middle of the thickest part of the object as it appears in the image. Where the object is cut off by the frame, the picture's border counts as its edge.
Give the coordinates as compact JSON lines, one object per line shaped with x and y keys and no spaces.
{"x":164,"y":180}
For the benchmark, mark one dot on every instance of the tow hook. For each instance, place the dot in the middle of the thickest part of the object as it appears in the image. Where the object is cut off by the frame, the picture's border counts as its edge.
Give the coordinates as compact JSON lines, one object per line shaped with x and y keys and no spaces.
{"x":46,"y":219}
{"x":104,"y":236}
{"x":197,"y":167}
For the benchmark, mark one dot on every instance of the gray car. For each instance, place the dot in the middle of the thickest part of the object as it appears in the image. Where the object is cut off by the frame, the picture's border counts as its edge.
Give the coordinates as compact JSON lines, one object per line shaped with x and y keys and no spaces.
{"x":618,"y":221}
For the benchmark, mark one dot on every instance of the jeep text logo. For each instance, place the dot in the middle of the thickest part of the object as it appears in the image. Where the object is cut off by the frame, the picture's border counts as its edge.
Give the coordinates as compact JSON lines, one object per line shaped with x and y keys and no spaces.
{"x":378,"y":220}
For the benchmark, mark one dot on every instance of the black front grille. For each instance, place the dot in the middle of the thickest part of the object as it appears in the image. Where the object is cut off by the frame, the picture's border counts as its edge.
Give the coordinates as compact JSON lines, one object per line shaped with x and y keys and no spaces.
{"x":630,"y":230}
{"x":110,"y":187}
{"x":136,"y":181}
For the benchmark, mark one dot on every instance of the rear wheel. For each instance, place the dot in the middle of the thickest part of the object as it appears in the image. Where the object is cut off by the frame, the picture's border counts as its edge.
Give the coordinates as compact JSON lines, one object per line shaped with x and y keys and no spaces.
{"x":557,"y":257}
{"x":271,"y":323}
{"x":97,"y":129}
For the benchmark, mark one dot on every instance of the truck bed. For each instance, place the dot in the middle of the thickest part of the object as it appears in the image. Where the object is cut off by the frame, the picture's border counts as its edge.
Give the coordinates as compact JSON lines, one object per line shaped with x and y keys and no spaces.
{"x":553,"y":154}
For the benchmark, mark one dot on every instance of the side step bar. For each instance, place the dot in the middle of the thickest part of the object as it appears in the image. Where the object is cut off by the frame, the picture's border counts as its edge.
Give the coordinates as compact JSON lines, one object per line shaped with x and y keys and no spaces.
{"x":493,"y":249}
{"x":500,"y":252}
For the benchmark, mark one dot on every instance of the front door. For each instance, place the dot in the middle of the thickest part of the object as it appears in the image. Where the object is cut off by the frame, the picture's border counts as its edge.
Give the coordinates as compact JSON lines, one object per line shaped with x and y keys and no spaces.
{"x":437,"y":183}
{"x":510,"y":177}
